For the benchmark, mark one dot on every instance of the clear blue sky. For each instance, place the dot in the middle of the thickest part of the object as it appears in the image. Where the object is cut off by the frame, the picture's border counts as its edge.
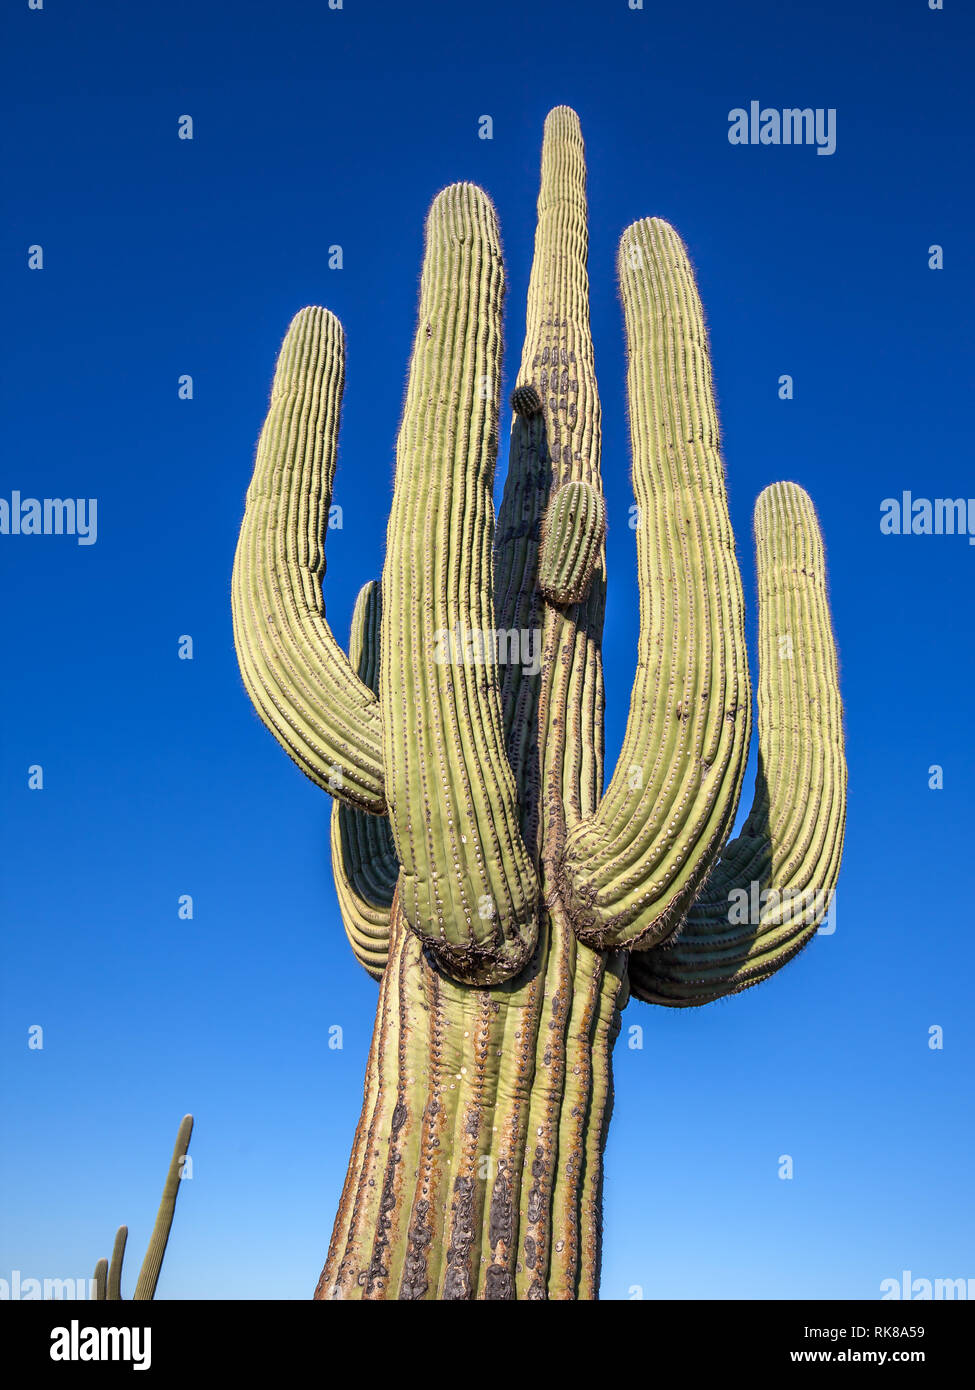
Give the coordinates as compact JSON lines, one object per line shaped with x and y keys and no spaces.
{"x":163,"y":257}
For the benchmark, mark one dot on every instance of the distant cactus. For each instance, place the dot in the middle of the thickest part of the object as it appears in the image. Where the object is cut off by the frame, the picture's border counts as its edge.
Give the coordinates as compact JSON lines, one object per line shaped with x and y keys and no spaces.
{"x":108,"y":1277}
{"x":507,"y":905}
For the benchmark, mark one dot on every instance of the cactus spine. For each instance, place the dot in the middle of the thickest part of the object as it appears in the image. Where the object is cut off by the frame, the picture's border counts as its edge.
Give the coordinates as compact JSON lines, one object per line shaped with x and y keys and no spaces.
{"x":506,"y":904}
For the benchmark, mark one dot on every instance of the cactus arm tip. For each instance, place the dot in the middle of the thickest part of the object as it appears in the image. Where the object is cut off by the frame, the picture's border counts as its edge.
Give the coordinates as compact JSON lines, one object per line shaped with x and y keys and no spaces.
{"x":149,"y":1273}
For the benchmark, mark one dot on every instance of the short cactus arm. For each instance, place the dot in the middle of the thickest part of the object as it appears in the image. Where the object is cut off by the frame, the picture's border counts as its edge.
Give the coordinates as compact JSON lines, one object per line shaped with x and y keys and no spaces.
{"x":631,"y":870}
{"x":297,"y":676}
{"x":789,"y":849}
{"x":114,"y":1286}
{"x":363,"y":854}
{"x":149,"y":1273}
{"x":101,"y":1279}
{"x":571,"y":542}
{"x":467,"y":886}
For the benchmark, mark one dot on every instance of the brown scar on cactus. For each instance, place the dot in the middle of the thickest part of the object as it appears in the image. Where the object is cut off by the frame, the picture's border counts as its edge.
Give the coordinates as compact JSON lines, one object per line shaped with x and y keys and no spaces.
{"x":473,"y":784}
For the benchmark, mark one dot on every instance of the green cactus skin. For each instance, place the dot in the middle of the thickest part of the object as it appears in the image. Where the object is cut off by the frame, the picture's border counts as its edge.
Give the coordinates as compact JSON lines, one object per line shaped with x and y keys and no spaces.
{"x":467,"y":885}
{"x":363,"y":854}
{"x":297,"y":676}
{"x":108,"y":1277}
{"x":634,"y":867}
{"x":476,"y":1170}
{"x":145,"y":1287}
{"x":571,"y":541}
{"x":526,"y":401}
{"x":791,"y":843}
{"x":113,"y":1290}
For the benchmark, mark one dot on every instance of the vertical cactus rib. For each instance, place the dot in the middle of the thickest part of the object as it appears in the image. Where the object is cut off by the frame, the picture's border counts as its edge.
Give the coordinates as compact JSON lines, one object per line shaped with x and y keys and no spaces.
{"x":145,"y":1287}
{"x":299,"y":680}
{"x":774,"y":882}
{"x":467,"y":886}
{"x":631,"y":870}
{"x":114,"y":1285}
{"x":364,"y":859}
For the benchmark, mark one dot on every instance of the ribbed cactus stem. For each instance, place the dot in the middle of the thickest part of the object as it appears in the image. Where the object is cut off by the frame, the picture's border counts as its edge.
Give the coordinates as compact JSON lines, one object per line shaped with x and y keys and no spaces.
{"x":450,"y":1193}
{"x":775,"y":882}
{"x":101,"y":1279}
{"x":363,"y":854}
{"x":631,"y":871}
{"x":114,"y":1286}
{"x":467,"y":885}
{"x":297,"y":676}
{"x":145,"y":1287}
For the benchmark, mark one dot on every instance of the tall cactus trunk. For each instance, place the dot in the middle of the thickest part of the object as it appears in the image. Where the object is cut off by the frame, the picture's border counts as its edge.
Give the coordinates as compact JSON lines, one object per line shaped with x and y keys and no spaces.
{"x":477,"y":1167}
{"x":508,"y":904}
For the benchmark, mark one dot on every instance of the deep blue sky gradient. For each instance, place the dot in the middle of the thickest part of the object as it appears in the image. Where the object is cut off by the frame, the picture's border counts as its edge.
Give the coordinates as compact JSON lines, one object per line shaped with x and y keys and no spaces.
{"x":164,"y":257}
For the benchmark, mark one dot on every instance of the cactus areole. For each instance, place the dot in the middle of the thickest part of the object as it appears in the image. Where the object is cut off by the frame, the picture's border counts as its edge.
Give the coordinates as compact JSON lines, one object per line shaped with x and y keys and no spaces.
{"x":507,"y":904}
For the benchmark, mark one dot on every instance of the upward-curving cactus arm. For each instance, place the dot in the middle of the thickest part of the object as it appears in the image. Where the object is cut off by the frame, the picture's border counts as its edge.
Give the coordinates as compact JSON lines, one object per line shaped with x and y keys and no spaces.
{"x":467,"y":885}
{"x":299,"y":679}
{"x":145,"y":1287}
{"x":774,"y":883}
{"x":113,"y":1289}
{"x":108,"y":1278}
{"x":631,"y":870}
{"x":363,"y":854}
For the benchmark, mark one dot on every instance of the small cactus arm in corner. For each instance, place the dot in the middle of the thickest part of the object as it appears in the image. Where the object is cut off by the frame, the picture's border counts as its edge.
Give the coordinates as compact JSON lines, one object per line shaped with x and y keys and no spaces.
{"x":108,"y":1277}
{"x":509,"y":906}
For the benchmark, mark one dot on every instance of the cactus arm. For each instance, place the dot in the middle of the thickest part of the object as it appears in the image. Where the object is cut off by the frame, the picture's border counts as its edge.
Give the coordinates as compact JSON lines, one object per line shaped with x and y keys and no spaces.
{"x":631,"y":870}
{"x":114,"y":1286}
{"x":553,"y":717}
{"x":791,"y":843}
{"x":571,"y":542}
{"x":101,"y":1278}
{"x":363,"y":854}
{"x":145,"y":1287}
{"x":299,"y":680}
{"x":467,"y":886}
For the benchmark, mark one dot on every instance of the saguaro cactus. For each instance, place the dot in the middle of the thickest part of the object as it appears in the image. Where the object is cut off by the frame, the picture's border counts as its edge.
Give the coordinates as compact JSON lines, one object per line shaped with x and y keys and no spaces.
{"x":507,"y":905}
{"x":108,"y":1277}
